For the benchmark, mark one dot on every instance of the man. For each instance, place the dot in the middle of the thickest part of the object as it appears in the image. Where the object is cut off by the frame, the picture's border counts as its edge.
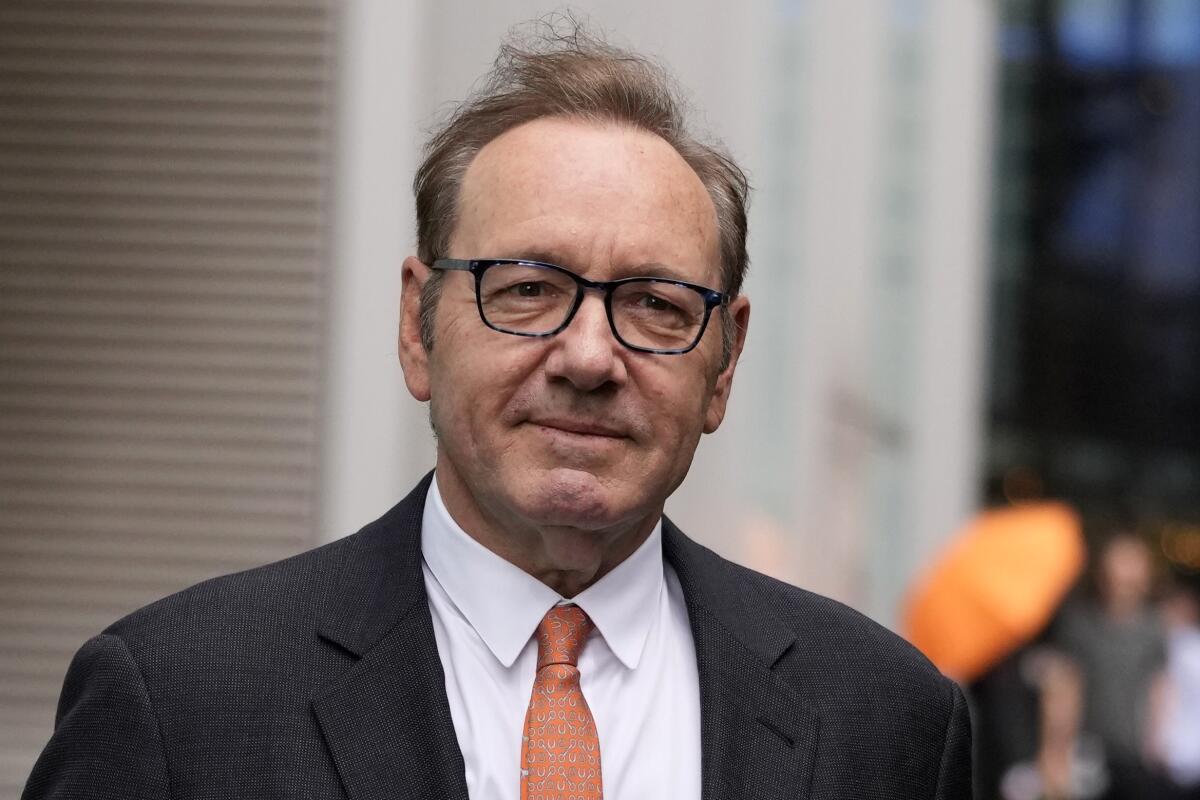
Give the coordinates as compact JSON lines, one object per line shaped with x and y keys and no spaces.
{"x":1117,"y":646}
{"x":526,"y":623}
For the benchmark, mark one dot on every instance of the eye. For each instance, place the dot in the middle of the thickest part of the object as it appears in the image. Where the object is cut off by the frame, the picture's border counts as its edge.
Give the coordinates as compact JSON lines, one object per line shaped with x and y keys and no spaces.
{"x":528,"y":289}
{"x":655,"y":303}
{"x":524,"y":290}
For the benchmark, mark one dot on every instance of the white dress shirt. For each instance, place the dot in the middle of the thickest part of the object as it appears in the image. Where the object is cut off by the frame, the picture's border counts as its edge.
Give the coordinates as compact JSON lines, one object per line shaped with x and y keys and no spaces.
{"x":637,"y":671}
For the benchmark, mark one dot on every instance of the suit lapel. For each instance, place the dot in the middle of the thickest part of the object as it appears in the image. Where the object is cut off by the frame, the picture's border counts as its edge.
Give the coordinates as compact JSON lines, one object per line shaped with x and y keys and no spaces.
{"x":388,"y":723}
{"x":387,"y":719}
{"x":758,"y":735}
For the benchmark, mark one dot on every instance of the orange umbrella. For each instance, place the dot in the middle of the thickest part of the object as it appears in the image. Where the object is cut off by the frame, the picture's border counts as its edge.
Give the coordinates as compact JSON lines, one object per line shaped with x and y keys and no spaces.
{"x":995,"y":586}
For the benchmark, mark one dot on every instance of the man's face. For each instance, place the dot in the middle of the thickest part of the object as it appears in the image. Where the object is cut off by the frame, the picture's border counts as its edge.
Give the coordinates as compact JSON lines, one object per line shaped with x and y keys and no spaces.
{"x":572,"y":430}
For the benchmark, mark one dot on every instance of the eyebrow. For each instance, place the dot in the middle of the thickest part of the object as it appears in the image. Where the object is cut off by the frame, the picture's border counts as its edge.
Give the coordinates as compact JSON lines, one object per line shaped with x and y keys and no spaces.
{"x":648,"y":270}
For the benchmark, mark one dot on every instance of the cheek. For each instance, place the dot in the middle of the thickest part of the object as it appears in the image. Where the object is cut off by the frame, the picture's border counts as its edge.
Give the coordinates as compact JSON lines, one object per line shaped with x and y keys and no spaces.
{"x":477,"y":386}
{"x":674,"y":402}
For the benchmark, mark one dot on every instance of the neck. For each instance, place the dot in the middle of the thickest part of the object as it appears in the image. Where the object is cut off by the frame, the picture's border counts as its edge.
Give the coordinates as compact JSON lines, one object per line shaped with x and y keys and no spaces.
{"x":566,"y":558}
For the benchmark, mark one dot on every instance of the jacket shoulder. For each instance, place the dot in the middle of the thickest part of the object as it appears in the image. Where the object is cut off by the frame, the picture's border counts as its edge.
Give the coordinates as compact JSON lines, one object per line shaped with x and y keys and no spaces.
{"x":878,"y":697}
{"x":239,"y":610}
{"x":830,"y":631}
{"x":839,"y":656}
{"x":282,"y":599}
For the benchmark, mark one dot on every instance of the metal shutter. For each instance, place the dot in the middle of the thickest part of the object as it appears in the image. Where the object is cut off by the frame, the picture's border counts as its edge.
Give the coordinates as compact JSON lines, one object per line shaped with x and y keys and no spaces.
{"x":163,"y":222}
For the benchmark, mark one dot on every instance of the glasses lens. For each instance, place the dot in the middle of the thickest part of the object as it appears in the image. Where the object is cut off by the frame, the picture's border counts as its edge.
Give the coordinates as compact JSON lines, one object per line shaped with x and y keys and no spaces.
{"x":658,"y":315}
{"x":523,"y":298}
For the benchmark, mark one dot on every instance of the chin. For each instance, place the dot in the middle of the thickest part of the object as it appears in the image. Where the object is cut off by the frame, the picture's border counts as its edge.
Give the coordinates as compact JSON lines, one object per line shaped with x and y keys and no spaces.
{"x":576,"y":499}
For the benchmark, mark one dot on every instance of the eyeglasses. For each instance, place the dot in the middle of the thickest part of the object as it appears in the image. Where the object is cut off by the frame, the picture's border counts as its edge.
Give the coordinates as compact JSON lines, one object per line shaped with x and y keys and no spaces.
{"x":531,"y":298}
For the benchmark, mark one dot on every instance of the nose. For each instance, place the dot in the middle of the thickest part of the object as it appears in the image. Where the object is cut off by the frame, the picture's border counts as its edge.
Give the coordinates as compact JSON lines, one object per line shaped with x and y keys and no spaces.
{"x":586,"y":353}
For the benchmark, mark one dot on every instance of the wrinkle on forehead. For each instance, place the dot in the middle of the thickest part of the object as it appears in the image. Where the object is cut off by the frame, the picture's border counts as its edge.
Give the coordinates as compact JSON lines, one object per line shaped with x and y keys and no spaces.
{"x":600,"y":194}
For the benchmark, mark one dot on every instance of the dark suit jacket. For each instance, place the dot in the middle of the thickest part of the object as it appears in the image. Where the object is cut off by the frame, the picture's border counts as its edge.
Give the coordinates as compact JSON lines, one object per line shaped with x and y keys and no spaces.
{"x":319,"y":677}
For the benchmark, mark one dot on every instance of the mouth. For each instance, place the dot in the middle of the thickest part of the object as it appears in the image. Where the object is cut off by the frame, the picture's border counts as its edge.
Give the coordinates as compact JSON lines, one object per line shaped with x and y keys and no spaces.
{"x":579,"y":427}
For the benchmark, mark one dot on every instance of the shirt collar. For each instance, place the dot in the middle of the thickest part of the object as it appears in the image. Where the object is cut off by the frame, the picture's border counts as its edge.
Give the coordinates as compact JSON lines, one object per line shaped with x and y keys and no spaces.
{"x":504,"y":604}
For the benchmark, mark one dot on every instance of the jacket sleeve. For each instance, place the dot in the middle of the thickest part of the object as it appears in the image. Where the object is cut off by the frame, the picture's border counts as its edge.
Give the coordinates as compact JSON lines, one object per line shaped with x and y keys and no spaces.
{"x":106,"y":741}
{"x":954,"y":775}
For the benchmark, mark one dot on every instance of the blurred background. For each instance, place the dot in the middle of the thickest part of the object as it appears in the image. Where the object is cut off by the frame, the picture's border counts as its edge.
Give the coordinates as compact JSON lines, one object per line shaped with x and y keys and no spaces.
{"x":975,"y":243}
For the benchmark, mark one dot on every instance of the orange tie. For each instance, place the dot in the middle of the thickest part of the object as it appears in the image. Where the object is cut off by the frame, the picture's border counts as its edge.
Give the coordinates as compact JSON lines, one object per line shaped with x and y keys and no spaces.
{"x":560,"y":755}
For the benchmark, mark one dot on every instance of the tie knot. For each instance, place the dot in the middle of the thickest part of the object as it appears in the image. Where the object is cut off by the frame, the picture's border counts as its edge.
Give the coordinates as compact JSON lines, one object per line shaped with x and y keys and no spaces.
{"x":561,"y":635}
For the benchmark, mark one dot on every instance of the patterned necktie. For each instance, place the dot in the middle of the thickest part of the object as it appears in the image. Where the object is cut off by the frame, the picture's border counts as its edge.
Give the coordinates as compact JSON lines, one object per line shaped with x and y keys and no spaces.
{"x":560,"y":755}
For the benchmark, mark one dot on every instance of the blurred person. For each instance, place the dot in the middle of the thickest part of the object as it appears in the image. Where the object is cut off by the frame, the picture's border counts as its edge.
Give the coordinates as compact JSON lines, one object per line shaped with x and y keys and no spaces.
{"x":1179,"y":735}
{"x":1029,"y":727}
{"x":526,"y":623}
{"x":1005,"y":716}
{"x":1116,"y":643}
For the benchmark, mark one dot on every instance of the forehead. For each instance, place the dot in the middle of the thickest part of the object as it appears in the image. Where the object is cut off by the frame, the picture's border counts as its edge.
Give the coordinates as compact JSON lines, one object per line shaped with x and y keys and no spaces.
{"x":600,"y":196}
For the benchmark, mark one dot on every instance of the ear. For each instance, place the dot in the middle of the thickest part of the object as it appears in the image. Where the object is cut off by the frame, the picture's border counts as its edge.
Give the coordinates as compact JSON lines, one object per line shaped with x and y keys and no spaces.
{"x":739,"y":309}
{"x":414,"y":359}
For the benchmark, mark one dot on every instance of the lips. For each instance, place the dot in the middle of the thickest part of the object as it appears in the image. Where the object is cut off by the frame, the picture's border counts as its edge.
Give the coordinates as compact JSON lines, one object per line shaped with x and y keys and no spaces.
{"x":580,"y":427}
